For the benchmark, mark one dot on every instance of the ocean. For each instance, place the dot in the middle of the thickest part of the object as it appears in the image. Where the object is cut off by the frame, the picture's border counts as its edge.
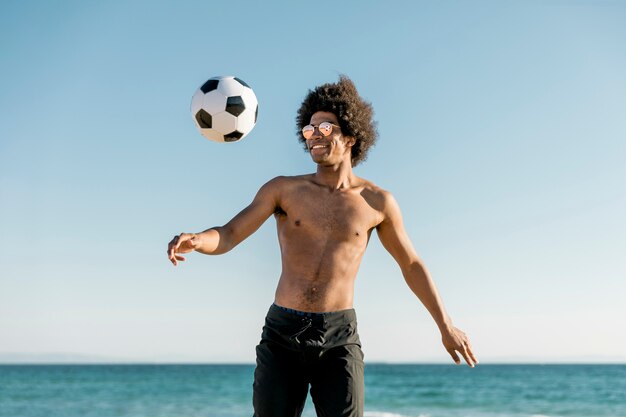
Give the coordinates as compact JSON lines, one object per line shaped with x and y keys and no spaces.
{"x":390,"y":391}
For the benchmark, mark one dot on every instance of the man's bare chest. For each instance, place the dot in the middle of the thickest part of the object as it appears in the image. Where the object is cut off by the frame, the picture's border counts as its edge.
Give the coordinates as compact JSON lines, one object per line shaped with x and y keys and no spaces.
{"x":333,"y":214}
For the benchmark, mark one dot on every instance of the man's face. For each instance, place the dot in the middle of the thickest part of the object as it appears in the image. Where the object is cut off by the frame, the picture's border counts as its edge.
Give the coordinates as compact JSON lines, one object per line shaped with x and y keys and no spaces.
{"x":331,"y":149}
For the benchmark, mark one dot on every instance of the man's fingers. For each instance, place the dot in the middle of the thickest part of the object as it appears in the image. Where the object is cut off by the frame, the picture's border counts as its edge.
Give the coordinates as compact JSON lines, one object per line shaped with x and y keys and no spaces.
{"x":470,"y":351}
{"x":173,"y":260}
{"x":171,"y":249}
{"x":172,"y":256}
{"x":186,"y":239}
{"x":466,"y":356}
{"x":455,"y":357}
{"x":179,"y":242}
{"x":458,"y":341}
{"x":172,"y":245}
{"x":471,"y":354}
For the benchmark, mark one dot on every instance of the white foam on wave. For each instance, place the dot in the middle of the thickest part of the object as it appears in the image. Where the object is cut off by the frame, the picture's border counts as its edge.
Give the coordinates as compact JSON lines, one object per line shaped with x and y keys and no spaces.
{"x":387,"y":414}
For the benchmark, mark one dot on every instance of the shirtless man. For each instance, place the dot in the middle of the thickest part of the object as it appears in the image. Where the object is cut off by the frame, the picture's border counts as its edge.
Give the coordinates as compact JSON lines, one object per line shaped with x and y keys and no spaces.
{"x":324,"y":223}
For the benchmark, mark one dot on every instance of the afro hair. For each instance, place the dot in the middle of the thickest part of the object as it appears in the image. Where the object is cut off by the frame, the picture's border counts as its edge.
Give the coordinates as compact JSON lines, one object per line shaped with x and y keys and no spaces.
{"x":355,"y":115}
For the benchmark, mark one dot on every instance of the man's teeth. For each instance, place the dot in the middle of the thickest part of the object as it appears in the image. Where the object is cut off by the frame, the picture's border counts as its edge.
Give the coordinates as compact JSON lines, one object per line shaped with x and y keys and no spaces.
{"x":319,"y":146}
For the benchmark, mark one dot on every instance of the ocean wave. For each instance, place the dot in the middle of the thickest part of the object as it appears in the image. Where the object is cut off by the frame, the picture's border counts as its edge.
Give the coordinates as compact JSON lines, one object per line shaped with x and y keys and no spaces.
{"x":387,"y":414}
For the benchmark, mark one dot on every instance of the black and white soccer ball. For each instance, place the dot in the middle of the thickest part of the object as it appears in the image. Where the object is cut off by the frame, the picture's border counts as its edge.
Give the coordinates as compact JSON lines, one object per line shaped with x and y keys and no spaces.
{"x":224,"y":109}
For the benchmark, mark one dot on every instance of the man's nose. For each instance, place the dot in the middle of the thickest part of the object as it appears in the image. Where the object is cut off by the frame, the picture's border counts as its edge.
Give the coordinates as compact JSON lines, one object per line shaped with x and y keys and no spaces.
{"x":316,"y":132}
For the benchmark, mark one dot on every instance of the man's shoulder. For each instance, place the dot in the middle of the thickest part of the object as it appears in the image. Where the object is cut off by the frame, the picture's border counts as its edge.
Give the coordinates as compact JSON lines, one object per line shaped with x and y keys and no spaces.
{"x":373,"y":189}
{"x":284,"y":184}
{"x":289,"y":180}
{"x":376,"y":196}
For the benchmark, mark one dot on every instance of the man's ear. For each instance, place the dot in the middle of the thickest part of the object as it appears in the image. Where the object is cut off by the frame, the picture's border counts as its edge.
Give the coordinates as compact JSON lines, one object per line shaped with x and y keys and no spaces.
{"x":350,"y":140}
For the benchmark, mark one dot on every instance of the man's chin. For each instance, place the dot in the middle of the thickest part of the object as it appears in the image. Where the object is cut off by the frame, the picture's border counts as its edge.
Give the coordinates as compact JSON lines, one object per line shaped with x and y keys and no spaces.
{"x":318,"y":159}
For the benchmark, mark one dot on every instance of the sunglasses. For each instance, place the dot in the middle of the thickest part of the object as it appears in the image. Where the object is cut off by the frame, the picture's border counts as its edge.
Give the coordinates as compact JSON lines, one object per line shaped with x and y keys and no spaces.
{"x":326,"y":128}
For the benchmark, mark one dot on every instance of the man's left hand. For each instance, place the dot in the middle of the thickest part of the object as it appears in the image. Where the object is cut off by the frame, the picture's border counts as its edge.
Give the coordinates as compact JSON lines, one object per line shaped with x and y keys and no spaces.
{"x":454,"y":340}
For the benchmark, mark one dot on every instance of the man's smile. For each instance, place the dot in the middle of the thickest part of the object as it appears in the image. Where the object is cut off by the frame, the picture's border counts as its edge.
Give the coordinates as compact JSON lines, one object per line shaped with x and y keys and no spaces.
{"x":319,"y":148}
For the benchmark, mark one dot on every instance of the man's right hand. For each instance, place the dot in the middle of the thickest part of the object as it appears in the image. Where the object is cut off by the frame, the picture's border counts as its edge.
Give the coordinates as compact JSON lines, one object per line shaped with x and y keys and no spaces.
{"x":183,"y":243}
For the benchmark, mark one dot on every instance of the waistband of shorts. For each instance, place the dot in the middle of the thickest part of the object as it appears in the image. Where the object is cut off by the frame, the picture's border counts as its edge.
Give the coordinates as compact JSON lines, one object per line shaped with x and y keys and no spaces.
{"x":348,"y":315}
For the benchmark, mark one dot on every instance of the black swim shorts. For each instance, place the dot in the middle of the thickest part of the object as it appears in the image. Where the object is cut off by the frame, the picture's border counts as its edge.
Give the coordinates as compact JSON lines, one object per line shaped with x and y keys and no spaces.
{"x":300,"y":349}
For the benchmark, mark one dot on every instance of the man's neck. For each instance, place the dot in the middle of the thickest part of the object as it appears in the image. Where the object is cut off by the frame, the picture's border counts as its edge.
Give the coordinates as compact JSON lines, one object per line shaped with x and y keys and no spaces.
{"x":336,"y":177}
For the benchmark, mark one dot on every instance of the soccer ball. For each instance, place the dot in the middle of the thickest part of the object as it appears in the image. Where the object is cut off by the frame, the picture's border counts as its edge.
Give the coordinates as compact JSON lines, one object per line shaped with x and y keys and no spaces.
{"x":224,"y":109}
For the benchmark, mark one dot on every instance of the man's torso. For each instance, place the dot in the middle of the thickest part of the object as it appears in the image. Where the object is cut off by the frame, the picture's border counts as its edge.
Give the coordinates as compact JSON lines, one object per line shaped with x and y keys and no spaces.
{"x":323,"y":234}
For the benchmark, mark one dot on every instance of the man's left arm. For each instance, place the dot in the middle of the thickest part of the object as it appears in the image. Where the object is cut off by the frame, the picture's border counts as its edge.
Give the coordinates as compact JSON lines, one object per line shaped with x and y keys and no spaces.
{"x":394,"y":238}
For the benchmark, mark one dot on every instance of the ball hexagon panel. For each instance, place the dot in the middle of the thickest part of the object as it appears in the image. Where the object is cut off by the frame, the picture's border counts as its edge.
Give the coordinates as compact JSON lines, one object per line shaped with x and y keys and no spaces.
{"x":214,"y":102}
{"x":224,"y":122}
{"x":212,"y":135}
{"x":230,"y":87}
{"x":249,"y":98}
{"x":196,"y":102}
{"x":245,"y":122}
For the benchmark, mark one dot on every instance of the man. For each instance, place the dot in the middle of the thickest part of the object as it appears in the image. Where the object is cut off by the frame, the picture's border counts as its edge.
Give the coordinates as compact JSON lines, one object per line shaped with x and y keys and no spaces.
{"x":324,"y":222}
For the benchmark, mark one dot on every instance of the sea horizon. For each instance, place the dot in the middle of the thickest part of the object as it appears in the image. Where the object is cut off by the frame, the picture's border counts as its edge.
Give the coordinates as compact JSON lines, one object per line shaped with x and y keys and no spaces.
{"x":235,"y":363}
{"x":252,"y":363}
{"x":69,"y":358}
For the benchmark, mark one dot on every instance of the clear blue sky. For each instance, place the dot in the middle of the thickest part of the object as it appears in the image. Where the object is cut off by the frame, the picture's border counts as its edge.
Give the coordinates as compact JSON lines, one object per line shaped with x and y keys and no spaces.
{"x":502,"y":136}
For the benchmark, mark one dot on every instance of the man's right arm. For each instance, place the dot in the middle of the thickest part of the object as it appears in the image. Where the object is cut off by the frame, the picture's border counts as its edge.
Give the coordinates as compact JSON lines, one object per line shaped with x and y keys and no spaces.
{"x":218,"y":240}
